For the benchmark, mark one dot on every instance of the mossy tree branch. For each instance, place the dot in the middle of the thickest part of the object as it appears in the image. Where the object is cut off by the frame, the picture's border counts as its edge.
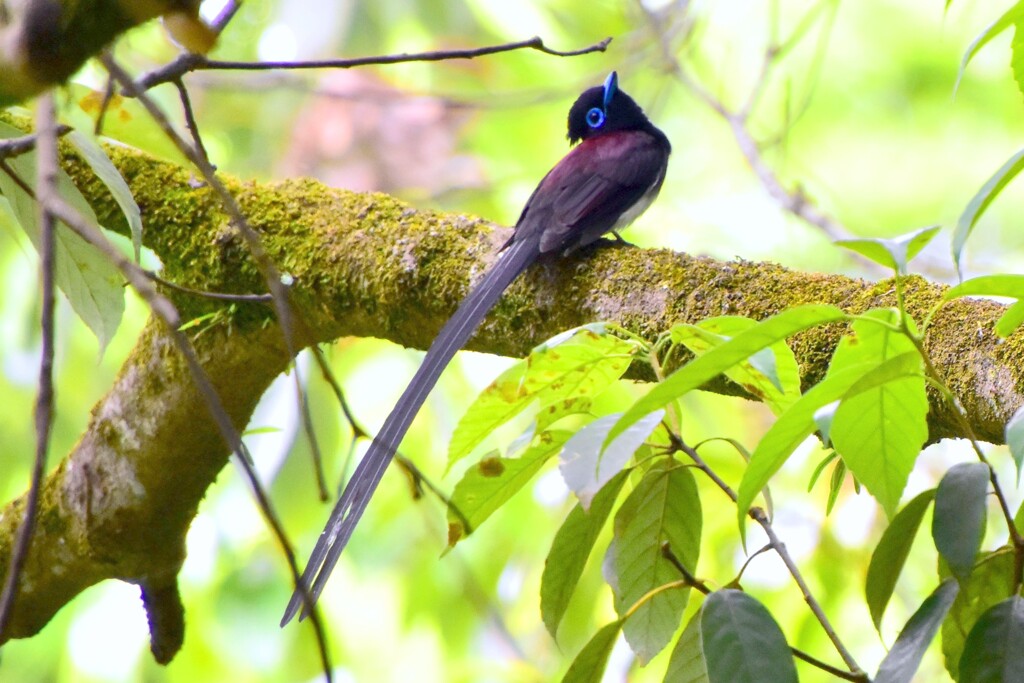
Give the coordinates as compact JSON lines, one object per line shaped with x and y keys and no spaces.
{"x":120,"y":503}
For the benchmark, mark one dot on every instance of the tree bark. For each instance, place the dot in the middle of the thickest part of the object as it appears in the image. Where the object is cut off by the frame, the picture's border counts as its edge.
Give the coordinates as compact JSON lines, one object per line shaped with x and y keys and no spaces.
{"x":368,"y":265}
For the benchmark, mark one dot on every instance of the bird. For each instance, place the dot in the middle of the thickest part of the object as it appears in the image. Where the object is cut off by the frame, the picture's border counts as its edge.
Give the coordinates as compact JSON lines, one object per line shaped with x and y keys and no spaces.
{"x":612,"y":173}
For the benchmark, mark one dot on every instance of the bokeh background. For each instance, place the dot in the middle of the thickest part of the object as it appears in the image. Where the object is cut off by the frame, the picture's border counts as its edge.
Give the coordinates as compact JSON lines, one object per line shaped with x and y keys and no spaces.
{"x":858,"y":113}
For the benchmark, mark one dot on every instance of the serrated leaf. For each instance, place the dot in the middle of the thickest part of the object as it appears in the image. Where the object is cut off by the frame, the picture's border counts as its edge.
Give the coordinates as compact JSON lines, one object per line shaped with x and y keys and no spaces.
{"x":92,"y":284}
{"x":990,"y":583}
{"x":742,"y":642}
{"x":771,"y":375}
{"x":1009,"y":18}
{"x":108,"y":174}
{"x":585,"y":468}
{"x":895,"y":252}
{"x":687,"y":663}
{"x":890,"y":555}
{"x":985,"y":196}
{"x":569,"y":552}
{"x":560,"y":378}
{"x":721,"y":358}
{"x":881,"y":429}
{"x":489,"y":484}
{"x":905,"y":656}
{"x":797,"y":423}
{"x":994,"y":650}
{"x":663,"y":508}
{"x":958,"y":523}
{"x":1015,"y":439}
{"x":590,"y":663}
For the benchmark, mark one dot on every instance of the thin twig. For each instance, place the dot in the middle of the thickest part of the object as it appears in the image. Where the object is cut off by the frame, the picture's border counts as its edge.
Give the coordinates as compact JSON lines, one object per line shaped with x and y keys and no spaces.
{"x":165,"y":311}
{"x":13,"y":147}
{"x":46,"y":181}
{"x":759,"y":516}
{"x":219,"y":296}
{"x":693,"y":581}
{"x":194,"y":62}
{"x":267,"y":267}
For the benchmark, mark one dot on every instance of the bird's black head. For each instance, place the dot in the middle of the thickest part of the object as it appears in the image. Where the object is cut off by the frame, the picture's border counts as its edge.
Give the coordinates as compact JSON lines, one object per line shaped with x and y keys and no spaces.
{"x":605,"y":109}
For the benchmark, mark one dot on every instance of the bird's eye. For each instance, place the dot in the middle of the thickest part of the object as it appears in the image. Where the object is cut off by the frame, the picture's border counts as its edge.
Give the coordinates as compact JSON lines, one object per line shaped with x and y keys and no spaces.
{"x":595,"y":117}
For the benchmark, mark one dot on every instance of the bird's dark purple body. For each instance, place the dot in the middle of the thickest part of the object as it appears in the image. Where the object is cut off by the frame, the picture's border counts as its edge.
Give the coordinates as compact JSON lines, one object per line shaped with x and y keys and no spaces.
{"x":601,"y":186}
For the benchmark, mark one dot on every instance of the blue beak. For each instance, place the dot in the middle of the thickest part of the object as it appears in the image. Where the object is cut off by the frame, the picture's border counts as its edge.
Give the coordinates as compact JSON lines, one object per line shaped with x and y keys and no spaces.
{"x":611,"y":84}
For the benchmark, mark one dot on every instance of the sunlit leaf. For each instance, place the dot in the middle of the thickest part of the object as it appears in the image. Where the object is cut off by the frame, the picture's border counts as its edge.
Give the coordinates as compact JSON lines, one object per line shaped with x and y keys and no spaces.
{"x":489,"y":484}
{"x":880,"y":429}
{"x":890,"y":555}
{"x":797,"y":423}
{"x":994,"y":650}
{"x":561,"y":378}
{"x":1009,"y":322}
{"x":663,"y":508}
{"x":742,"y":642}
{"x":905,"y":656}
{"x":590,"y":663}
{"x":1003,"y":284}
{"x":958,"y":523}
{"x":704,"y":368}
{"x":569,"y":552}
{"x":771,"y":374}
{"x":895,"y":252}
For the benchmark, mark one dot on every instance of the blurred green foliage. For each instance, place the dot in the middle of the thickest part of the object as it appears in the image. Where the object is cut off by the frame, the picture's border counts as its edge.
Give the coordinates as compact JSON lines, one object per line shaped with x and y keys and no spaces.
{"x":859,"y":115}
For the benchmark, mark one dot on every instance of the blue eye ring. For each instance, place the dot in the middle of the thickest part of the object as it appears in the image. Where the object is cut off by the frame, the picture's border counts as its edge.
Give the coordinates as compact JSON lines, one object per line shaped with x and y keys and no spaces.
{"x":595,"y":117}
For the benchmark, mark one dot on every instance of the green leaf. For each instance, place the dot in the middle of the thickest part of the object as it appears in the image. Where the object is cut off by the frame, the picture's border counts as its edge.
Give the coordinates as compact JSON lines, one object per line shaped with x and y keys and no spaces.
{"x":880,"y":429}
{"x":560,"y":377}
{"x":663,"y":508}
{"x":92,"y":284}
{"x":905,"y":656}
{"x":797,"y":423}
{"x":1008,"y":322}
{"x":742,"y":643}
{"x":994,"y":650}
{"x":890,"y":555}
{"x":108,"y":174}
{"x":569,"y":552}
{"x":990,"y":583}
{"x":1017,"y":57}
{"x":1009,"y":18}
{"x":1015,"y":439}
{"x":771,"y":375}
{"x":823,"y":417}
{"x":493,"y":481}
{"x":988,"y":285}
{"x":895,"y":252}
{"x":590,"y":663}
{"x":585,"y":468}
{"x":703,"y":369}
{"x":958,"y":524}
{"x":687,"y":663}
{"x":988,"y":192}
